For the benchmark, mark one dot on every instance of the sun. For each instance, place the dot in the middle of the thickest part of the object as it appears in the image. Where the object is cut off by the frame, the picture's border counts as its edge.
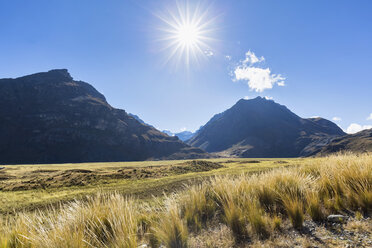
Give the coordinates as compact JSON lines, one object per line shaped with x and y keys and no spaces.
{"x":186,"y":33}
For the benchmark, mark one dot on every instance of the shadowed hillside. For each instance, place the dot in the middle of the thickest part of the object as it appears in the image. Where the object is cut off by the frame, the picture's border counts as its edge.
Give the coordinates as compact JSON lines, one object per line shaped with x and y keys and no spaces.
{"x":357,"y":143}
{"x":50,"y":118}
{"x":263,"y":128}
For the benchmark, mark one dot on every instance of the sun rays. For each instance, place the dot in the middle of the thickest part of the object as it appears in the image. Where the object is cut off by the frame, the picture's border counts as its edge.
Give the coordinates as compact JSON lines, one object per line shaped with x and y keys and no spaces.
{"x":186,"y":34}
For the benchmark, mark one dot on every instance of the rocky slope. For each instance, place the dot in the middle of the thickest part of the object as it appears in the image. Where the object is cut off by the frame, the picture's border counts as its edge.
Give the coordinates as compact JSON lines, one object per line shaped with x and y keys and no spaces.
{"x":357,"y":143}
{"x":263,"y":128}
{"x":51,"y":118}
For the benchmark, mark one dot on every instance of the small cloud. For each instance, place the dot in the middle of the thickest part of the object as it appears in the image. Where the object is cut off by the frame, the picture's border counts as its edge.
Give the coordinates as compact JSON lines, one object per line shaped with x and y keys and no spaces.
{"x":246,"y":98}
{"x":183,"y":129}
{"x":369,"y":117}
{"x":258,"y":78}
{"x":336,"y":118}
{"x":228,"y":57}
{"x":208,"y":53}
{"x":251,"y":58}
{"x":355,"y":127}
{"x":269,"y":98}
{"x":315,"y":116}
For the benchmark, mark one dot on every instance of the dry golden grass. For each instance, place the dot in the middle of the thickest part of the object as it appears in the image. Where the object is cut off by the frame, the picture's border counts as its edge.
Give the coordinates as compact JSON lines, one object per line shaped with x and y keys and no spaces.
{"x":243,"y":209}
{"x":28,"y":187}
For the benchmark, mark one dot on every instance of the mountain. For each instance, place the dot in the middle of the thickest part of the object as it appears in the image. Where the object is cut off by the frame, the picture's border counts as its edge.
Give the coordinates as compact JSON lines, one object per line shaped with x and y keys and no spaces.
{"x":139,"y":119}
{"x":263,"y":128}
{"x":50,"y":118}
{"x":357,"y":143}
{"x":184,"y":135}
{"x":168,"y":132}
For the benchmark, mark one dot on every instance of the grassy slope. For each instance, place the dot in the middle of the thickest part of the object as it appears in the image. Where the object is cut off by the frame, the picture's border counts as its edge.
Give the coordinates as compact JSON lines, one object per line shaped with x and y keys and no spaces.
{"x":143,"y":188}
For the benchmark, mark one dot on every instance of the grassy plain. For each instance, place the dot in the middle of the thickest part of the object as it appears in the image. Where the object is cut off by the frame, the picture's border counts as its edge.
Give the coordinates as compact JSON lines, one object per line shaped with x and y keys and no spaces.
{"x":26,"y":187}
{"x":226,"y":203}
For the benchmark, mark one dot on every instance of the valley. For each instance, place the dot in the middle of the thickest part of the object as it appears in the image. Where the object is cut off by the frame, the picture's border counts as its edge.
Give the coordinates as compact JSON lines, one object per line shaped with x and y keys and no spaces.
{"x":252,"y":175}
{"x":295,"y":202}
{"x":32,"y":186}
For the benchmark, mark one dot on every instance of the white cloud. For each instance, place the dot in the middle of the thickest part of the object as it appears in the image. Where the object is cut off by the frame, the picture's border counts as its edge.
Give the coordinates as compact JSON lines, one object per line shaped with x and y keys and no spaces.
{"x":336,"y":118}
{"x":228,"y":57}
{"x":251,"y":58}
{"x":246,"y":98}
{"x":269,"y":98}
{"x":183,"y":129}
{"x":354,"y":128}
{"x":208,"y":53}
{"x":369,"y":117}
{"x":258,"y":78}
{"x":315,"y":116}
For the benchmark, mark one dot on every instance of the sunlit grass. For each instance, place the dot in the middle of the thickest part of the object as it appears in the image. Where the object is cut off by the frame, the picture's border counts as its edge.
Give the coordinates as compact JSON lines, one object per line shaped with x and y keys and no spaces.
{"x":250,"y":206}
{"x":144,"y":188}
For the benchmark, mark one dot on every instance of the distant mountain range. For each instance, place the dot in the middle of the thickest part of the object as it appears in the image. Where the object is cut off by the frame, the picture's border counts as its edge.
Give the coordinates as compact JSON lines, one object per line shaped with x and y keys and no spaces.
{"x":184,"y":135}
{"x":263,"y":128}
{"x":50,"y":118}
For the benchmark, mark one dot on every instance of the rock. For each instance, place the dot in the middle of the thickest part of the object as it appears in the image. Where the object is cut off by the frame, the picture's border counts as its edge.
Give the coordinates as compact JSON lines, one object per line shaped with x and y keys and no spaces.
{"x":336,"y":218}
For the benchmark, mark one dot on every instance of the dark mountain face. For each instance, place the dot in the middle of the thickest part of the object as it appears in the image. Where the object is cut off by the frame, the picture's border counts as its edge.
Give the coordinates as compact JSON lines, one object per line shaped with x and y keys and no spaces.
{"x":139,"y":119}
{"x":263,"y":128}
{"x":356,"y":143}
{"x":50,"y":118}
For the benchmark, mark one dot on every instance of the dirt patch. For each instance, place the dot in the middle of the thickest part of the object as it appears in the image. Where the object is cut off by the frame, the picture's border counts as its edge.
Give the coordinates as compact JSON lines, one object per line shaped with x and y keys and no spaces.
{"x":43,"y":171}
{"x":250,"y":162}
{"x":5,"y":177}
{"x":78,"y":171}
{"x":281,"y":162}
{"x":243,"y":162}
{"x":196,"y":166}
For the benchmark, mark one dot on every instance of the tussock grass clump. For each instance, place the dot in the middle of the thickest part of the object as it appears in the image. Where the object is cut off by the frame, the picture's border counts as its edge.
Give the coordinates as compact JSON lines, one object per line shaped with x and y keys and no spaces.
{"x":235,"y":219}
{"x":171,"y":229}
{"x":345,"y":181}
{"x":277,"y":223}
{"x":259,"y":223}
{"x":248,"y":206}
{"x":294,"y":209}
{"x":198,"y":206}
{"x":103,"y":220}
{"x":314,"y":208}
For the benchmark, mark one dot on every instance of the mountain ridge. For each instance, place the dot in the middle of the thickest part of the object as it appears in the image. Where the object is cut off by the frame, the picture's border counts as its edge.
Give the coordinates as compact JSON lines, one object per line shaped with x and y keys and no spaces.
{"x":48,"y":117}
{"x":359,"y":142}
{"x":262,"y":128}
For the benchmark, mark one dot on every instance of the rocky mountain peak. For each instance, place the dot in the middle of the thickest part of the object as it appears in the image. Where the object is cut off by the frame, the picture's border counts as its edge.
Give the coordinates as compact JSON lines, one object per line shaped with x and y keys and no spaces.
{"x":48,"y":117}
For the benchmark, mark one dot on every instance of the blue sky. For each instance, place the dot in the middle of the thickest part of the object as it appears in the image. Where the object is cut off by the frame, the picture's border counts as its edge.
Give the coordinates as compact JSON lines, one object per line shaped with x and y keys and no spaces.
{"x":320,"y":50}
